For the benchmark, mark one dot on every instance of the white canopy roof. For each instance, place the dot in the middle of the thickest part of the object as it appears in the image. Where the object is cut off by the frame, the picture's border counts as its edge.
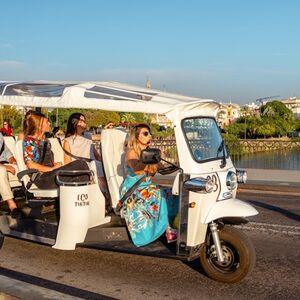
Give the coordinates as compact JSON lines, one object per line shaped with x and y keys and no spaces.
{"x":111,"y":96}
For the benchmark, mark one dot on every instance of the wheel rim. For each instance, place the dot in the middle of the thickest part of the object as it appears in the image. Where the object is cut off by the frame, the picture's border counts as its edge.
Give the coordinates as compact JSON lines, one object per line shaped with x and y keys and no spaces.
{"x":231,"y":256}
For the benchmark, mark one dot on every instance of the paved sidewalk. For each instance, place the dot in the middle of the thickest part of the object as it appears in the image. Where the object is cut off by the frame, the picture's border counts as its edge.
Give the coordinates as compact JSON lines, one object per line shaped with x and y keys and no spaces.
{"x":275,"y":176}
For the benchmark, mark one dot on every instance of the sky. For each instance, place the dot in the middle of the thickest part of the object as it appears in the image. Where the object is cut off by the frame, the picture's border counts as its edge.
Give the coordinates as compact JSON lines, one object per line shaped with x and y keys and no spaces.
{"x":231,"y":50}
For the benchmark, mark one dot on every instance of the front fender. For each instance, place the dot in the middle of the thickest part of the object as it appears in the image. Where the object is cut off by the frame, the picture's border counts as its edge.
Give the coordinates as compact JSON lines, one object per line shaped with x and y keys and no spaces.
{"x":230,"y":208}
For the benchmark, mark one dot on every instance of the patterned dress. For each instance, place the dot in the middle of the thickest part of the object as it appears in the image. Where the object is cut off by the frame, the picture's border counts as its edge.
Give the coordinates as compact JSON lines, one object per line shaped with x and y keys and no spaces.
{"x":147,"y":210}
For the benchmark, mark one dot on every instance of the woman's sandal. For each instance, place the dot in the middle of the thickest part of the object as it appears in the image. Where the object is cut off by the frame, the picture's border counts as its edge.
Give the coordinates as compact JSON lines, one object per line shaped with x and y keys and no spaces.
{"x":171,"y":234}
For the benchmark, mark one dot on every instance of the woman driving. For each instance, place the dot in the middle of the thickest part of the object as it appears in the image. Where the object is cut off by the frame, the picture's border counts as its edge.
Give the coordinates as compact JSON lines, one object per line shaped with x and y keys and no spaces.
{"x":146,"y":209}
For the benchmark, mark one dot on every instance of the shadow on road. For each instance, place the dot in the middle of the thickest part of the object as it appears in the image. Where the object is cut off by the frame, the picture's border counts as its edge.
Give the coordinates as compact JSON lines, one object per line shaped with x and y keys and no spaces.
{"x":283,"y":211}
{"x":62,"y":288}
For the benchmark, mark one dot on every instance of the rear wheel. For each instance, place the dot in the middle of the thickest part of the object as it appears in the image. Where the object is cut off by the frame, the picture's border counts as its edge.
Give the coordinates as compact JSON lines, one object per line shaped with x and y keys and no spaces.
{"x":238,"y":252}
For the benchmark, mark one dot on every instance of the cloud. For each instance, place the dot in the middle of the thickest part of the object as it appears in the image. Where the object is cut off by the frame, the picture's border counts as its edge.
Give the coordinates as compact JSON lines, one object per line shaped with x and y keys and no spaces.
{"x":11,"y":64}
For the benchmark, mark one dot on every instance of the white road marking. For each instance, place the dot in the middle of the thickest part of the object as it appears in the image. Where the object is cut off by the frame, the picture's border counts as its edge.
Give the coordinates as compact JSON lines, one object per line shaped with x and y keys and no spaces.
{"x":273,"y":228}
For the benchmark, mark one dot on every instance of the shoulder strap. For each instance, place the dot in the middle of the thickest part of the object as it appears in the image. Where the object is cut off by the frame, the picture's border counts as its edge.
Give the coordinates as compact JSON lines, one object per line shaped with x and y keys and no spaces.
{"x":44,"y":152}
{"x":2,"y":148}
{"x":129,"y":192}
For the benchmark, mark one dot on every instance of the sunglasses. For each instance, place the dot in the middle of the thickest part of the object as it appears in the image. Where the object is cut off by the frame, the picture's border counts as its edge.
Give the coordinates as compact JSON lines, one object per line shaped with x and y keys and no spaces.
{"x":146,"y":133}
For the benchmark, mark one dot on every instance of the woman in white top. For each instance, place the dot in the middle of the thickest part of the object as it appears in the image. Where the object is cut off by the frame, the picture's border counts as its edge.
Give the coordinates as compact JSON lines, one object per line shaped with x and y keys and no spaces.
{"x":79,"y":146}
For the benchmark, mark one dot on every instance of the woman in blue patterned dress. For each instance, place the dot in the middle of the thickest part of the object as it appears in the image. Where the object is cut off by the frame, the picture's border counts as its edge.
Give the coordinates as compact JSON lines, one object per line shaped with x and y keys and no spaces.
{"x":149,"y":207}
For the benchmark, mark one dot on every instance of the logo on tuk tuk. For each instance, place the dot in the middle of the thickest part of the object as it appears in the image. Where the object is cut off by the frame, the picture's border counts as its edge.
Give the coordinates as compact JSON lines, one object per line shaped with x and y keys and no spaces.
{"x":82,"y":200}
{"x":214,"y":180}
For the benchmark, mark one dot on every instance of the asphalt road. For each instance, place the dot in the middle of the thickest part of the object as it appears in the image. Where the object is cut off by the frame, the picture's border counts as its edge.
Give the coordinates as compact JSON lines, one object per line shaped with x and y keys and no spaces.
{"x":93,"y":274}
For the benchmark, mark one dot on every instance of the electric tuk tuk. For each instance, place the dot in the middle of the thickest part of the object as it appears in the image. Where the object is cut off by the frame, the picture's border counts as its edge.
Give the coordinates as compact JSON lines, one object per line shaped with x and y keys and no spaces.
{"x":206,"y":181}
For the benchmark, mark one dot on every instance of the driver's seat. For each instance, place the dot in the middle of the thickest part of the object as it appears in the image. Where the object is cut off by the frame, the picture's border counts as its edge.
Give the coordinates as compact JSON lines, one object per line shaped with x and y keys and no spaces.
{"x":113,"y":157}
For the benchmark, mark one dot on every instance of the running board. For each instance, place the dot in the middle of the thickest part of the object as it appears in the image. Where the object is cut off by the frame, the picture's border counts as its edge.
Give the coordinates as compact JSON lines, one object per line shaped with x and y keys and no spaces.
{"x":29,"y":229}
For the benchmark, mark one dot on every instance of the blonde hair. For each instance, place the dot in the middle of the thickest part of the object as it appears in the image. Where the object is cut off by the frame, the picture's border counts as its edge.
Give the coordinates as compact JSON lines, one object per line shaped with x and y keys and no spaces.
{"x":34,"y":124}
{"x":133,"y":144}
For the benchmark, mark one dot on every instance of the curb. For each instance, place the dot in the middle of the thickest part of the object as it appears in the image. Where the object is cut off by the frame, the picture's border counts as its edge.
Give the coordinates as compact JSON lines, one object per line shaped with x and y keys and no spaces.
{"x":270,"y":187}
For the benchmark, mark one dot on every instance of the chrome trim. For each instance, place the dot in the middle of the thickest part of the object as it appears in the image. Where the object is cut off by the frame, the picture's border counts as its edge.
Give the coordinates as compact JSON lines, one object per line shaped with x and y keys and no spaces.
{"x":231,"y":180}
{"x":199,"y":185}
{"x":215,"y":235}
{"x":74,"y":172}
{"x":241,"y":176}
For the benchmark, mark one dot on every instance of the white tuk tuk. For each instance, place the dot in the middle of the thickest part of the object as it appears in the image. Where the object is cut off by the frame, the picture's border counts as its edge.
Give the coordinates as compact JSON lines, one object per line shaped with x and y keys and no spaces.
{"x":206,"y":181}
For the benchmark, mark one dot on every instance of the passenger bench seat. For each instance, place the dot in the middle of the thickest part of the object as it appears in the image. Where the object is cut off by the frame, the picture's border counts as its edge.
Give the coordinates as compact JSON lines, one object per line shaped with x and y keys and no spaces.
{"x":113,"y":156}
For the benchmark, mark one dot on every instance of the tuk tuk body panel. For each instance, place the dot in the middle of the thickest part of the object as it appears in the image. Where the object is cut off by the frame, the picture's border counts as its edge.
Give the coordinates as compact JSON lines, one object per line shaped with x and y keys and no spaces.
{"x":230,"y":208}
{"x":81,"y":208}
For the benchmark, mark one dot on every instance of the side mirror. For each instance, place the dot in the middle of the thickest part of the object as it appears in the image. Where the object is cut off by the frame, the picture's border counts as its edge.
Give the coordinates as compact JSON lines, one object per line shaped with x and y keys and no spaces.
{"x":150,"y":156}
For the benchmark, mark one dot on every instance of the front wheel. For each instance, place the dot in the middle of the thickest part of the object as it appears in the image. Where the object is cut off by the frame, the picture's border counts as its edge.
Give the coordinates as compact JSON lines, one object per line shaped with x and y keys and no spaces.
{"x":238,"y":252}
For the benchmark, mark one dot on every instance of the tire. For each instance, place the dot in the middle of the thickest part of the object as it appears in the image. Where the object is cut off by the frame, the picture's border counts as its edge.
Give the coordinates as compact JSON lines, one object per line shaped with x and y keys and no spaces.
{"x":239,"y":256}
{"x":1,"y":239}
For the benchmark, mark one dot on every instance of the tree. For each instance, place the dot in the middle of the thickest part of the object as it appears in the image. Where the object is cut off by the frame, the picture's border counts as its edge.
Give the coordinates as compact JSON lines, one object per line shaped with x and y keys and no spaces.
{"x":276,"y":114}
{"x":266,"y":130}
{"x":93,"y":117}
{"x":101,"y":117}
{"x":297,"y":125}
{"x":276,"y":109}
{"x":13,"y":116}
{"x":128,"y":118}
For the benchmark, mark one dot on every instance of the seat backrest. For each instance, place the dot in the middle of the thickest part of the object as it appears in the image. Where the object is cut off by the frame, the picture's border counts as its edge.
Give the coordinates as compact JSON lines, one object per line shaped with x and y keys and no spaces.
{"x":57,"y":150}
{"x":10,"y":142}
{"x":113,"y":157}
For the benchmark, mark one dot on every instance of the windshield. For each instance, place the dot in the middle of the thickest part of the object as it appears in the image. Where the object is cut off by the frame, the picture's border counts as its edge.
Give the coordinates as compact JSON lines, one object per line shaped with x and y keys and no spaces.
{"x":204,"y":139}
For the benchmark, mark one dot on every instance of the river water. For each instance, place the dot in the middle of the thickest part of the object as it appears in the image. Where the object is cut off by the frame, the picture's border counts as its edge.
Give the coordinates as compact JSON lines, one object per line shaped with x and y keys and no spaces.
{"x":285,"y":160}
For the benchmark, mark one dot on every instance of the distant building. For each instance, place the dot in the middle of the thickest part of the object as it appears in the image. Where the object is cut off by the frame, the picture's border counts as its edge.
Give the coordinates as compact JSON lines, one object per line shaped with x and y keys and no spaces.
{"x":228,"y":113}
{"x":161,"y":120}
{"x":294,"y":105}
{"x":252,"y":106}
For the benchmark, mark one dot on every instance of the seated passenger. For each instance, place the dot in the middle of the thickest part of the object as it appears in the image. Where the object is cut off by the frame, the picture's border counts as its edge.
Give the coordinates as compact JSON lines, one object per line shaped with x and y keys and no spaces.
{"x":22,"y":134}
{"x":8,"y":168}
{"x":38,"y":155}
{"x":146,"y":210}
{"x":76,"y":146}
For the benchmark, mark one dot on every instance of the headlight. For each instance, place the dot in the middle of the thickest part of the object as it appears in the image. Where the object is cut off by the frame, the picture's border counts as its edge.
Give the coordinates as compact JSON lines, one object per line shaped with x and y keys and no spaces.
{"x":231,"y":180}
{"x":199,"y":185}
{"x":241,"y":176}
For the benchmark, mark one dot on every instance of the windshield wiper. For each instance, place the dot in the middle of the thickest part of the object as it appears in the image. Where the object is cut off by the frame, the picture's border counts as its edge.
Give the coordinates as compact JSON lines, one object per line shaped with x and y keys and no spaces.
{"x":222,"y":147}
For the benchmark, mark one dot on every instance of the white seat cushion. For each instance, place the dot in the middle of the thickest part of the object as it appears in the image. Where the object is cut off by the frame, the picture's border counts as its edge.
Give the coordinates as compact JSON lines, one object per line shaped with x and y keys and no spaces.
{"x":10,"y":142}
{"x":113,"y":156}
{"x":57,"y":150}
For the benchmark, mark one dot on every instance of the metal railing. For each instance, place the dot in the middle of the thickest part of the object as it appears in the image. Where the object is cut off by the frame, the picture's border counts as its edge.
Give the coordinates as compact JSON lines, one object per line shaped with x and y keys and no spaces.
{"x":266,"y":154}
